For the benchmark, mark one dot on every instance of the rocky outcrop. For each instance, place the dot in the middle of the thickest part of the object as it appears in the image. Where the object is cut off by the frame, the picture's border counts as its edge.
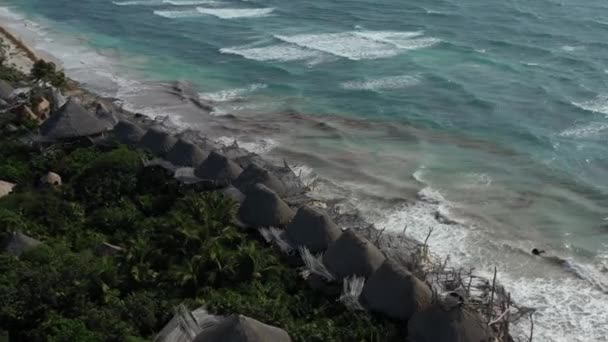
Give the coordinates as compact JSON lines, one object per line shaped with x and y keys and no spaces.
{"x":218,"y":168}
{"x":439,"y":325}
{"x":239,"y":328}
{"x":312,"y":229}
{"x":264,"y":208}
{"x":352,"y":255}
{"x":394,"y":291}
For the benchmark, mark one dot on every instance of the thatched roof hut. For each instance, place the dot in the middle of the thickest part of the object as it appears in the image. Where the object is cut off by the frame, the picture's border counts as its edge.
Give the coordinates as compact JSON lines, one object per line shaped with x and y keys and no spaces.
{"x":264,"y":208}
{"x":233,"y":193}
{"x":72,"y":120}
{"x":104,"y":114}
{"x":351,"y":255}
{"x":6,"y":90}
{"x":255,"y":174}
{"x":239,"y":328}
{"x":185,"y":153}
{"x":57,"y":98}
{"x":19,"y":243}
{"x":454,"y":325}
{"x":218,"y":167}
{"x":157,"y":141}
{"x":312,"y":229}
{"x":128,"y":133}
{"x":5,"y":188}
{"x":394,"y":291}
{"x":51,"y":179}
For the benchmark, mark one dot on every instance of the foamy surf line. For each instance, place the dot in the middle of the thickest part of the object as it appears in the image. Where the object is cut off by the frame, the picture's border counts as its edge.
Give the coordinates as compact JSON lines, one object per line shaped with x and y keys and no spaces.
{"x":597,"y":105}
{"x":570,"y":305}
{"x":384,"y":83}
{"x":234,"y":13}
{"x":178,"y":14}
{"x":232,"y":94}
{"x":357,"y":45}
{"x":165,"y":2}
{"x":279,"y":53}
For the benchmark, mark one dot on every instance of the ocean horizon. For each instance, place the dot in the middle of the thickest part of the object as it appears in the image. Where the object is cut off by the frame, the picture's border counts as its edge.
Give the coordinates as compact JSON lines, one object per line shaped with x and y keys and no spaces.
{"x":485,"y":121}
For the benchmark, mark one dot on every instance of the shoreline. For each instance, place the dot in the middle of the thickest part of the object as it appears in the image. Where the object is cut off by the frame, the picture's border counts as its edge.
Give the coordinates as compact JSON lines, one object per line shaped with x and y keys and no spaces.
{"x":18,"y":54}
{"x":92,"y":93}
{"x":392,"y":244}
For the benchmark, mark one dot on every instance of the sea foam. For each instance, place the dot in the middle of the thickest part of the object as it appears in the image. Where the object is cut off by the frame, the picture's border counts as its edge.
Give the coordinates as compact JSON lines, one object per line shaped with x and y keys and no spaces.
{"x":233,"y":13}
{"x":280,"y":53}
{"x":570,"y":305}
{"x":585,"y":131}
{"x":165,"y":2}
{"x":384,"y":83}
{"x":190,"y":2}
{"x":138,"y":3}
{"x":178,"y":14}
{"x":597,"y":105}
{"x":232,"y":94}
{"x":346,"y":45}
{"x":357,"y":45}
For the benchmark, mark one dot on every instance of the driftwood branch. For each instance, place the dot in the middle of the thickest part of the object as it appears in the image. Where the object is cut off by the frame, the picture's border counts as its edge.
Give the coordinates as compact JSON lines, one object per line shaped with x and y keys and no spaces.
{"x":491,"y":307}
{"x":500,"y":317}
{"x":531,"y":327}
{"x":380,"y":235}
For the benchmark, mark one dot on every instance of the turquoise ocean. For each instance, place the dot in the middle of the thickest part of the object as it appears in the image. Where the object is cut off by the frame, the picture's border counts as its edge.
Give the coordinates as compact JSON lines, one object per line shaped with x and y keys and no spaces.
{"x":485,"y":119}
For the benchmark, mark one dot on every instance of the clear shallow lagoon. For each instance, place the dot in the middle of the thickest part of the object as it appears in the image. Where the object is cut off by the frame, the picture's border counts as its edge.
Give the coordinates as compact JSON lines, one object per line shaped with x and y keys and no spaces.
{"x":494,"y":113}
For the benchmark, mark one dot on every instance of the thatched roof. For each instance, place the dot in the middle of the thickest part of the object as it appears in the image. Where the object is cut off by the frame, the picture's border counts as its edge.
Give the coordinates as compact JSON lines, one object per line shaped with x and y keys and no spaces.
{"x":128,"y":133}
{"x":394,"y":291}
{"x":264,"y":208}
{"x":218,"y":167}
{"x":312,"y":229}
{"x":239,"y":328}
{"x":19,"y":243}
{"x":157,"y":141}
{"x":186,"y":325}
{"x":233,"y":193}
{"x":57,"y":98}
{"x":51,"y":179}
{"x":351,"y":255}
{"x":72,"y":120}
{"x":106,"y":116}
{"x":5,"y":188}
{"x":5,"y":90}
{"x":185,"y":153}
{"x":438,"y":325}
{"x":255,"y":174}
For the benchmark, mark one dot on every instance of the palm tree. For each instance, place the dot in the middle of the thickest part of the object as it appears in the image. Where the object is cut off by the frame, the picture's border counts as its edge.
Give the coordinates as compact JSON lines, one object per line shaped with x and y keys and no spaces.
{"x":138,"y":258}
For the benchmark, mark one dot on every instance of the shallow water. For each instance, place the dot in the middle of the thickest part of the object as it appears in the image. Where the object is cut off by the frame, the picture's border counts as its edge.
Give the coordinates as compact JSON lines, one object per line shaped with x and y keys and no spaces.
{"x":495,"y":113}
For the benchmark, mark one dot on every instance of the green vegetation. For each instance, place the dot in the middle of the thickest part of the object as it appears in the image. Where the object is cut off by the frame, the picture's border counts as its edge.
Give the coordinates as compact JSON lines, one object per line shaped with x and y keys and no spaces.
{"x":178,"y":246}
{"x":7,"y":72}
{"x":47,"y":72}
